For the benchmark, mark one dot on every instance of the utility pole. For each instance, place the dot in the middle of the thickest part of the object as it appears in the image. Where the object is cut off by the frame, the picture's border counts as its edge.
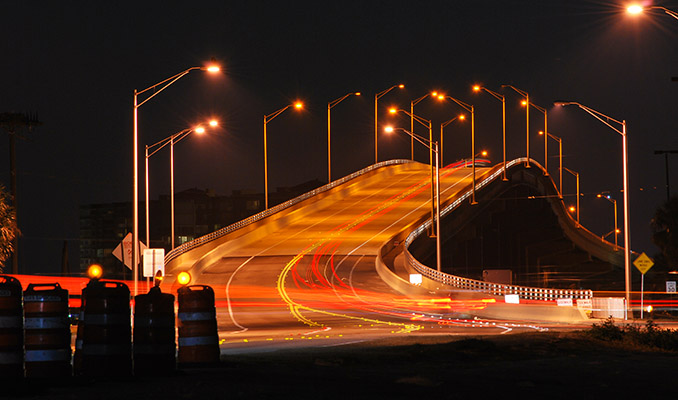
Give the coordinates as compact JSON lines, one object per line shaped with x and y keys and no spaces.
{"x":666,"y":163}
{"x":13,"y":123}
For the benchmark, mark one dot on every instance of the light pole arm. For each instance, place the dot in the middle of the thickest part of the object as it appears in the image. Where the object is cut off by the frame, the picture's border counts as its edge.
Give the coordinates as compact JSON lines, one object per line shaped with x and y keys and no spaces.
{"x":463,"y":105}
{"x":165,"y":83}
{"x":521,"y":92}
{"x":419,"y":139}
{"x":333,"y":103}
{"x":596,"y":114}
{"x":494,"y":94}
{"x":424,"y":122}
{"x":268,"y":118}
{"x":383,"y":92}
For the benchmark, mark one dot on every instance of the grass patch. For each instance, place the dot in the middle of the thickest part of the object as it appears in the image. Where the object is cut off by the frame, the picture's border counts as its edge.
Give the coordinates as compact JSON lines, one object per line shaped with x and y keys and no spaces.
{"x":648,"y":336}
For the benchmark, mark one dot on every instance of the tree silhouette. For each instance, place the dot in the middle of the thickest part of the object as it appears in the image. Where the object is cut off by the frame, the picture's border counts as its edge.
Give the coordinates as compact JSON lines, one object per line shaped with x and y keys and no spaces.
{"x":665,"y":231}
{"x":8,"y":228}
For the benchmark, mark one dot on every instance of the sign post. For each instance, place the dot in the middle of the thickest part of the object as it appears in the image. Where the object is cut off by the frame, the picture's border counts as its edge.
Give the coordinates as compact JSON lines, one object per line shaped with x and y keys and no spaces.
{"x":643,"y":263}
{"x":124,"y":253}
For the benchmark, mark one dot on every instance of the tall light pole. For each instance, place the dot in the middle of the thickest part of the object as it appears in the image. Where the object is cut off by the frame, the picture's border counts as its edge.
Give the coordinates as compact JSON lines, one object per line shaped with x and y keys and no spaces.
{"x":412,"y":104}
{"x":459,"y":117}
{"x":666,"y":166}
{"x":546,"y":129}
{"x":376,"y":121}
{"x":154,"y":148}
{"x":268,"y":118}
{"x":614,"y":203}
{"x":560,"y":156}
{"x":526,"y":96}
{"x":434,"y":147}
{"x":576,"y":175}
{"x":638,"y":9}
{"x":502,"y":98}
{"x":330,"y":105}
{"x":427,"y":124}
{"x":162,"y":85}
{"x":471,"y":110}
{"x":627,"y":234}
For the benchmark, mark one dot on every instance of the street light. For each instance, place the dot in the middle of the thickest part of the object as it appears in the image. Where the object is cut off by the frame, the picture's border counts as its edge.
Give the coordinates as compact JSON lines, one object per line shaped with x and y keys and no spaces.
{"x":412,"y":104}
{"x":376,"y":124}
{"x":614,"y":203}
{"x":434,"y":147}
{"x":212,"y":68}
{"x":527,"y":119}
{"x":426,"y":123}
{"x":470,"y":109}
{"x":560,"y":156}
{"x":268,"y":118}
{"x":546,"y":125}
{"x":330,"y":105}
{"x":154,"y":148}
{"x":636,"y":9}
{"x":502,"y":98}
{"x":576,"y":175}
{"x":459,"y":117}
{"x":627,"y":234}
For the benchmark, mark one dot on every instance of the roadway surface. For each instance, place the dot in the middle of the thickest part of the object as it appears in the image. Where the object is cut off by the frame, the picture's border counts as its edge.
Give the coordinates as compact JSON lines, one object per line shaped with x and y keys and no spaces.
{"x":308,"y":277}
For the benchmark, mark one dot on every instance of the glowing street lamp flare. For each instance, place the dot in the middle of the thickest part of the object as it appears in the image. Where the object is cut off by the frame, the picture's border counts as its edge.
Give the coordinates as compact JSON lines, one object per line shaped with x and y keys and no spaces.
{"x":634,"y":9}
{"x":200,"y":130}
{"x":376,"y":120}
{"x":214,"y":123}
{"x":502,"y":98}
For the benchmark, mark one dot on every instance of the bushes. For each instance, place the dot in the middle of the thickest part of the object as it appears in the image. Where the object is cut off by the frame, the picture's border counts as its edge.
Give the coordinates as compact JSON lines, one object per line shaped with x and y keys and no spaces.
{"x":650,"y":335}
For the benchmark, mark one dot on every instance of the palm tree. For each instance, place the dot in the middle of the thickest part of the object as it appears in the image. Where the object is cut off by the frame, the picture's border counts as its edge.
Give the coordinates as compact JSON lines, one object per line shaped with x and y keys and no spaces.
{"x":8,"y":228}
{"x":665,"y":231}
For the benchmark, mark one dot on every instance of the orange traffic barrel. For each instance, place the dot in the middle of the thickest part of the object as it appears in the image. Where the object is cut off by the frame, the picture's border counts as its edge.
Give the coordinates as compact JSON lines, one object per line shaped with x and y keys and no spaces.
{"x":197,"y":323}
{"x":11,"y":328}
{"x":154,"y":333}
{"x":47,"y":331}
{"x":103,"y":345}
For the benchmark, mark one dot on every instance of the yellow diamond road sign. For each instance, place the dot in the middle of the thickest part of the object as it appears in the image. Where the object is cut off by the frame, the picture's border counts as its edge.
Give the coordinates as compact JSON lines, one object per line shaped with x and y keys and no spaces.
{"x":643,"y":263}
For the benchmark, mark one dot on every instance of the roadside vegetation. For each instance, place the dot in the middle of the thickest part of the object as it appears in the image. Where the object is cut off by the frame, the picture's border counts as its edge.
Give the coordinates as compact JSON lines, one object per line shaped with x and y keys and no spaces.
{"x":649,"y":336}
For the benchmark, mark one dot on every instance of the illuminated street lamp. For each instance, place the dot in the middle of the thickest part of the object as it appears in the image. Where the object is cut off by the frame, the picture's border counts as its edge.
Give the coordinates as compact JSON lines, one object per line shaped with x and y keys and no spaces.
{"x":560,"y":156}
{"x":614,"y":203}
{"x":412,"y":104}
{"x":502,"y":98}
{"x":376,"y":124}
{"x":213,"y":68}
{"x":527,"y":119}
{"x":576,"y":175}
{"x":330,"y":105}
{"x":636,"y":9}
{"x":434,"y":203}
{"x":627,"y":231}
{"x":459,"y":117}
{"x":154,"y":148}
{"x":427,"y":124}
{"x":470,"y":109}
{"x":268,"y":118}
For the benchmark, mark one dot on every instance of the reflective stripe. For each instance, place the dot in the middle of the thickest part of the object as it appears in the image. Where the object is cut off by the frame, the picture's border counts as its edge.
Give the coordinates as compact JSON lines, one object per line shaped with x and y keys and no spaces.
{"x":46,"y":323}
{"x":106,"y":319}
{"x":199,"y":341}
{"x":155,"y":321}
{"x":105,"y":349}
{"x":10,"y":322}
{"x":169,"y":348}
{"x":11,"y":357}
{"x":197,"y":316}
{"x":48,"y":355}
{"x":42,"y":298}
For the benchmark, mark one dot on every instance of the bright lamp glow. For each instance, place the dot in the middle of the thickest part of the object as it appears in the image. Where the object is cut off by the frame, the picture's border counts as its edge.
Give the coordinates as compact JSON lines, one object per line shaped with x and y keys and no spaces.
{"x":298,"y":105}
{"x":95,"y":271}
{"x":483,"y":153}
{"x":476,"y":88}
{"x":214,"y":122}
{"x":462,"y":117}
{"x":634,"y":9}
{"x":392,"y":110}
{"x":200,"y":130}
{"x":184,"y":278}
{"x":357,"y":93}
{"x":388,"y":129}
{"x":401,"y":86}
{"x":573,"y":209}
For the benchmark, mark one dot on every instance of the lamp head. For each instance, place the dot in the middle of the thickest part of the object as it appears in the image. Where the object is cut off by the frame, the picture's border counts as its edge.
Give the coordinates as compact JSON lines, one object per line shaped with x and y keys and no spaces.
{"x":634,"y":9}
{"x":483,"y":153}
{"x":357,"y":93}
{"x":401,"y":86}
{"x":388,"y":129}
{"x":541,"y":133}
{"x":562,"y":103}
{"x":462,"y":117}
{"x":200,"y":130}
{"x":298,"y":105}
{"x":214,"y":123}
{"x":392,"y":110}
{"x":476,"y":88}
{"x":212,"y":67}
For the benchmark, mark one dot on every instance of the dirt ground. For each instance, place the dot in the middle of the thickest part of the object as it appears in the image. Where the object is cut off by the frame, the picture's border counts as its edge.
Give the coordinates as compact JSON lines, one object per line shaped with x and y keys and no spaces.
{"x":534,"y":365}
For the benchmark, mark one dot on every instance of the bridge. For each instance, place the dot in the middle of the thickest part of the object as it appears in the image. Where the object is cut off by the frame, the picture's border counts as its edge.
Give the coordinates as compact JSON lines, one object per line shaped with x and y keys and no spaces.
{"x":336,"y":261}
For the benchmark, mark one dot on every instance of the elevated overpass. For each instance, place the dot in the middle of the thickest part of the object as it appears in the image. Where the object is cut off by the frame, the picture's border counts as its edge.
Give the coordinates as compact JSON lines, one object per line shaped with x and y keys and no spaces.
{"x":338,"y":256}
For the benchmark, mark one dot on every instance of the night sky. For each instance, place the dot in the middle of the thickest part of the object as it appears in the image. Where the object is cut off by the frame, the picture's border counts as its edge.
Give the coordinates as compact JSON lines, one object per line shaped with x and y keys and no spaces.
{"x":76,"y":64}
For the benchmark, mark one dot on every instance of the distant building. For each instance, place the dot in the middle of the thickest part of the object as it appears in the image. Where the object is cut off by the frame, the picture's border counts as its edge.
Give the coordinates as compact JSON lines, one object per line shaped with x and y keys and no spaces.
{"x":197,"y":212}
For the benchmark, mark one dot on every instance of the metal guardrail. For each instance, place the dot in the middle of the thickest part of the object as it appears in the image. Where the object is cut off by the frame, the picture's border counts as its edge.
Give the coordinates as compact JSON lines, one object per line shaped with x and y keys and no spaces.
{"x":266,"y":213}
{"x":495,"y":289}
